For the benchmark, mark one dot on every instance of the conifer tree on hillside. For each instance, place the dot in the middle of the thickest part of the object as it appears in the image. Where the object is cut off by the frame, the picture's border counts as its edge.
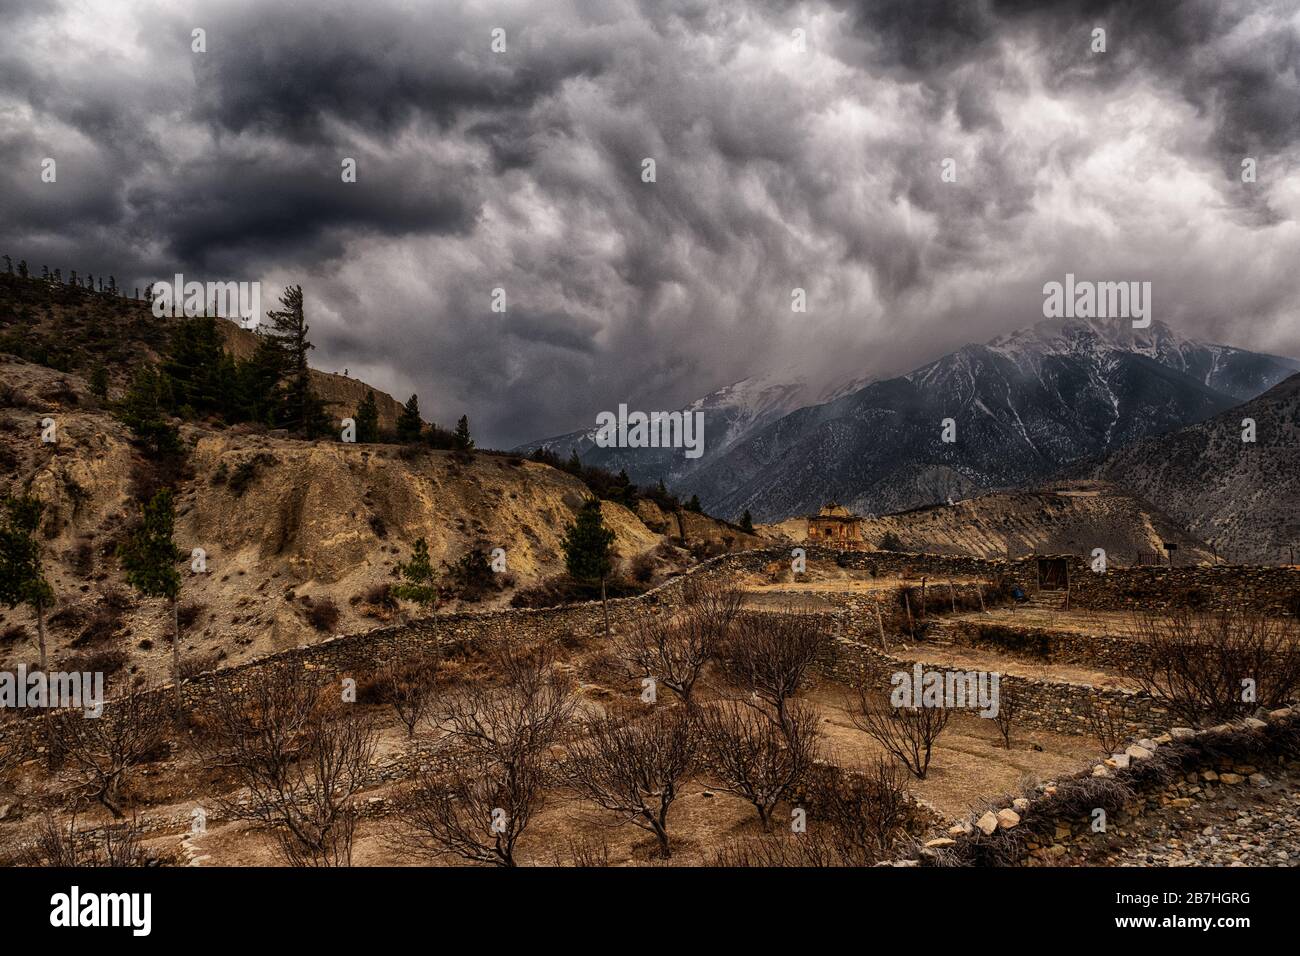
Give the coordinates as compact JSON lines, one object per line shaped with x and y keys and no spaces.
{"x":143,"y":410}
{"x":747,"y":522}
{"x":99,"y":381}
{"x":196,"y":365}
{"x":148,"y":557}
{"x":588,"y":550}
{"x":367,"y":418}
{"x":461,"y":437}
{"x":418,"y":583}
{"x":694,"y":504}
{"x":300,"y":410}
{"x":22,"y":579}
{"x":408,"y":422}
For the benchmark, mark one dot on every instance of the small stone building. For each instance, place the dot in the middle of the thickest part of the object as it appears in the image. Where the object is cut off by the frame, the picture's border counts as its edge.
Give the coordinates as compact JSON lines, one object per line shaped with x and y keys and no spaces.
{"x":836,"y":527}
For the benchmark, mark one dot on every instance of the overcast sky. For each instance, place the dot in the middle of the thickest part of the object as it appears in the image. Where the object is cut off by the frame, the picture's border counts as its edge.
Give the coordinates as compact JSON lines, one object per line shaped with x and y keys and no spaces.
{"x":776,"y":168}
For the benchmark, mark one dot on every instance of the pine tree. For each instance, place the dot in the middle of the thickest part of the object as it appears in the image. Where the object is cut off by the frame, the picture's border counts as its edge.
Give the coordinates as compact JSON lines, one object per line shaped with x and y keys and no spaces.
{"x":22,"y":268}
{"x":194,"y":365}
{"x":588,"y":550}
{"x":574,"y":464}
{"x":461,"y":437}
{"x":99,"y":381}
{"x":747,"y":522}
{"x":143,"y":410}
{"x":694,"y":504}
{"x":22,"y":579}
{"x":301,"y":411}
{"x":408,"y":422}
{"x":9,"y":266}
{"x":587,"y":545}
{"x":367,"y":419}
{"x":148,"y":557}
{"x":418,"y":578}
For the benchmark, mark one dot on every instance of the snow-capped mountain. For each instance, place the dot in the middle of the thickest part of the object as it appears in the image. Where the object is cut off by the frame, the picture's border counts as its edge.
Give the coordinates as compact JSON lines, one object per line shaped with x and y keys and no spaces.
{"x":1021,"y":405}
{"x":730,"y":414}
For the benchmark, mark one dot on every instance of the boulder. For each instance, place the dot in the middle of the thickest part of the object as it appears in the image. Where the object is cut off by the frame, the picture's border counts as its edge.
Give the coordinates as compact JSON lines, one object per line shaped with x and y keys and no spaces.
{"x":987,"y":823}
{"x":1008,"y":818}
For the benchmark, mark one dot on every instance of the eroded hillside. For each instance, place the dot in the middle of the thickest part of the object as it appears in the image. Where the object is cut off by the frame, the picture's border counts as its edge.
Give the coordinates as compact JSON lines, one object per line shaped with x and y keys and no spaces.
{"x":285,"y":526}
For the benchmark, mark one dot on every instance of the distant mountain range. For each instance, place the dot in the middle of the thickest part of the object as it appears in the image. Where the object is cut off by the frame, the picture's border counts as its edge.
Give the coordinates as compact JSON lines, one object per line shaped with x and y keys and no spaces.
{"x":1023,"y":406}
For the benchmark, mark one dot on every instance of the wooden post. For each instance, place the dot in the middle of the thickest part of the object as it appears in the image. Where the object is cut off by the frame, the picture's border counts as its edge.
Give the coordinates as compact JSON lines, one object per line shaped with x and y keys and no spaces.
{"x":923,"y":580}
{"x":1067,"y":585}
{"x":979,"y":585}
{"x":880,"y":626}
{"x":952,"y":595}
{"x":907,"y":604}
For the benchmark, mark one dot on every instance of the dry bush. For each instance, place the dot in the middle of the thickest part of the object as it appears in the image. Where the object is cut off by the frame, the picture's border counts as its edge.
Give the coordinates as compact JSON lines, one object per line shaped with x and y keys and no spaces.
{"x":817,"y":849}
{"x":675,"y":650}
{"x":770,"y":654}
{"x":106,"y":749}
{"x":188,"y":614}
{"x":62,"y":846}
{"x":302,"y":760}
{"x":909,"y":733}
{"x":197,"y":664}
{"x":582,"y":853}
{"x":633,"y":768}
{"x":323,"y":615}
{"x":865,"y":812}
{"x":407,"y":686}
{"x":752,"y":756}
{"x":1196,"y":665}
{"x":501,"y":736}
{"x":1106,"y":724}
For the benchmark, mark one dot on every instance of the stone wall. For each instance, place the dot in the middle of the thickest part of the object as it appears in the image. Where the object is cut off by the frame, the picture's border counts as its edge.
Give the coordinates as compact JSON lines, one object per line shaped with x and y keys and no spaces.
{"x":358,"y":654}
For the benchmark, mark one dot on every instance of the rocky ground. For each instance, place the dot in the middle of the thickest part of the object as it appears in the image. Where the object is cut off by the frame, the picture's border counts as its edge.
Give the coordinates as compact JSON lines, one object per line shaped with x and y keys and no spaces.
{"x":1233,"y":816}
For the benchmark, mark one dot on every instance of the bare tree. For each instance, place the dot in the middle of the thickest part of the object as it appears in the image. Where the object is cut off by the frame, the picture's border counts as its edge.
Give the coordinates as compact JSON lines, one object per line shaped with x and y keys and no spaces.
{"x":407,"y":686}
{"x":1207,"y":668}
{"x":1008,"y":711}
{"x":301,"y":759}
{"x":754,"y":757}
{"x":634,"y":768}
{"x":500,"y":736}
{"x":770,"y":654}
{"x":675,"y":650}
{"x":908,"y":733}
{"x":107,"y":748}
{"x":1106,"y":724}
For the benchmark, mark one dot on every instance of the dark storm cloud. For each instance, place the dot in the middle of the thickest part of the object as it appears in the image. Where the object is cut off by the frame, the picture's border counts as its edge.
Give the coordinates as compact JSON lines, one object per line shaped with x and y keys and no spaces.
{"x":776,"y":169}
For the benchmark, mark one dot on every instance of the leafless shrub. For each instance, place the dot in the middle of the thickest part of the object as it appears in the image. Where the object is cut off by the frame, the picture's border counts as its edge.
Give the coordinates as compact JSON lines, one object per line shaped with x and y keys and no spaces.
{"x":867,"y":811}
{"x":770,"y":654}
{"x":1106,"y":724}
{"x":106,"y":749}
{"x":675,"y":650}
{"x":814,"y":849}
{"x":1198,"y":665}
{"x":57,"y":845}
{"x":407,"y":686}
{"x":323,"y":614}
{"x":301,"y":759}
{"x":582,"y":853}
{"x":502,"y":736}
{"x":633,"y":768}
{"x":754,"y":757}
{"x":908,"y":733}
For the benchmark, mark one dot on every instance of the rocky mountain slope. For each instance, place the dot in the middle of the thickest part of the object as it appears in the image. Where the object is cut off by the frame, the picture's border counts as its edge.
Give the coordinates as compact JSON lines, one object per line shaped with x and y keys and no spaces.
{"x":1073,"y":518}
{"x":287,"y":527}
{"x":1022,"y":406}
{"x":1243,"y":497}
